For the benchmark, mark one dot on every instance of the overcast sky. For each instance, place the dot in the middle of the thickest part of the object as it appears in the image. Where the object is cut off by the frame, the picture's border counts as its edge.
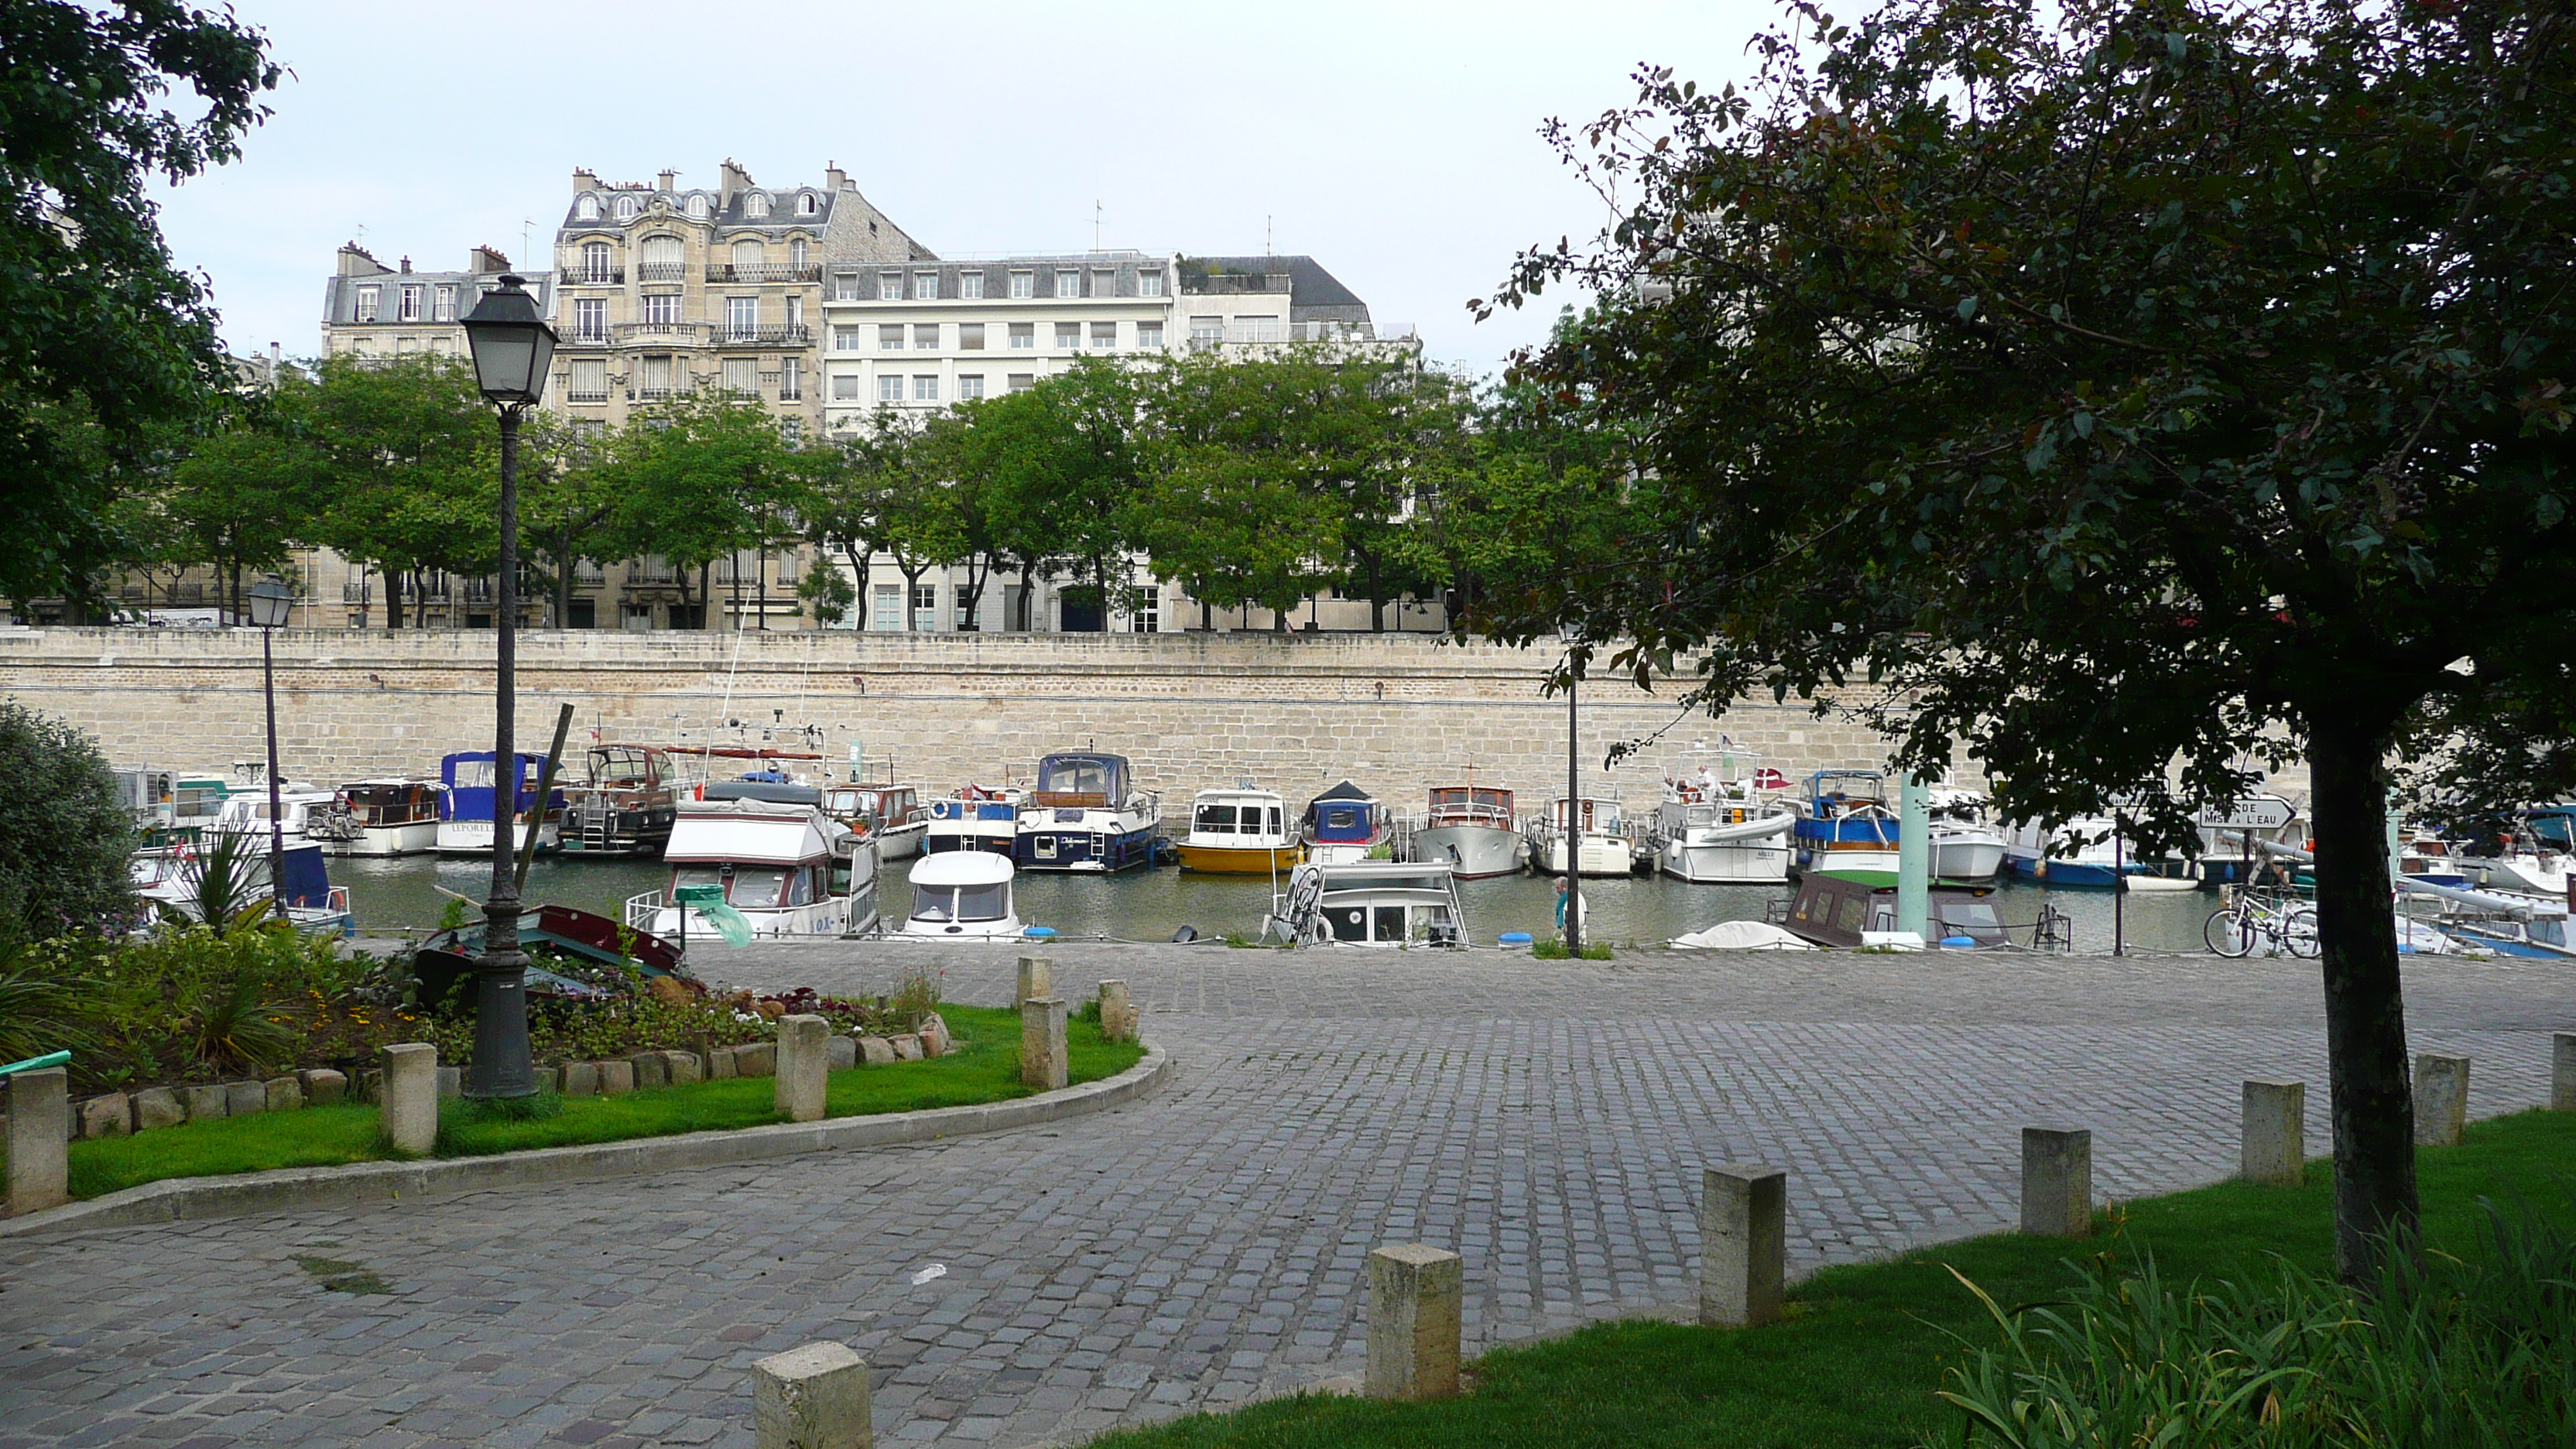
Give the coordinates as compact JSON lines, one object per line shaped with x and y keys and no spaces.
{"x":1395,"y":142}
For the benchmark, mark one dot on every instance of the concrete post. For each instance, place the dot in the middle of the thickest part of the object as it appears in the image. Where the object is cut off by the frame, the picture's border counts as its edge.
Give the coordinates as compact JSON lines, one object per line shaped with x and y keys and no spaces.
{"x":2056,"y":1182}
{"x":2441,"y":1099}
{"x":801,"y":1067}
{"x":2273,"y":1147}
{"x":1117,"y":1014}
{"x":40,"y":1133}
{"x":2562,"y":1072}
{"x":815,"y":1397}
{"x":1037,"y":980}
{"x":409,"y":1120}
{"x":1042,"y":1063}
{"x":1414,"y":1294}
{"x":1743,"y":1243}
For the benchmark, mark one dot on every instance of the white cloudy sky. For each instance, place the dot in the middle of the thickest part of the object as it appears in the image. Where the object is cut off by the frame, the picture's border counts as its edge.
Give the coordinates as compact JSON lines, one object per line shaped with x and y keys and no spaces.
{"x":1396,"y":142}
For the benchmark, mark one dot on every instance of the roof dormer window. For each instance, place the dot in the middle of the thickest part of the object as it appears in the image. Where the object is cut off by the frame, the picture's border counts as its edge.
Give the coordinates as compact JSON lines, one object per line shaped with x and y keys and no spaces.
{"x":807,"y":204}
{"x":586,"y":209}
{"x":755,"y":205}
{"x":698,"y":208}
{"x":627,"y":206}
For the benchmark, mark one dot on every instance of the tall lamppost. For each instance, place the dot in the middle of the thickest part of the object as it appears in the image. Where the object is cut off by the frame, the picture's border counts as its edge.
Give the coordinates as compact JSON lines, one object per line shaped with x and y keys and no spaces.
{"x":269,"y":601}
{"x":513,"y":347}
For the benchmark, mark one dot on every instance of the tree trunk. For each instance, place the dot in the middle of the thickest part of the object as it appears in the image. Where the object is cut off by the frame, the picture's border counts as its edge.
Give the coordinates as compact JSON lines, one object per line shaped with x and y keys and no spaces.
{"x":2372,"y":1096}
{"x":563,"y":579}
{"x":707,"y":592}
{"x":1027,"y":566}
{"x":1207,"y":618}
{"x":393,"y":596}
{"x":858,"y":586}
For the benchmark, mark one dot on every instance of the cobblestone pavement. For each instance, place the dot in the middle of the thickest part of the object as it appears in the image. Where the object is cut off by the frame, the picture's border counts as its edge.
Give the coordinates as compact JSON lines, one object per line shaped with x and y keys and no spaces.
{"x":1547,"y":1120}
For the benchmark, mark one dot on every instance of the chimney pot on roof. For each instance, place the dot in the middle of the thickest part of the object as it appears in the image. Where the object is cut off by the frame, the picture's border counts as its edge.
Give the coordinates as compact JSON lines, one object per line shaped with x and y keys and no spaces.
{"x":732,"y":178}
{"x":583,"y":179}
{"x":669,"y":179}
{"x":406,"y":264}
{"x":834,"y":178}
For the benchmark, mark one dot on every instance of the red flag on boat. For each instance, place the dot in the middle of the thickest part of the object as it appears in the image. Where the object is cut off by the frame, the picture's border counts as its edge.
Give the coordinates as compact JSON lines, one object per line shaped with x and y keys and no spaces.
{"x":1768,"y":778}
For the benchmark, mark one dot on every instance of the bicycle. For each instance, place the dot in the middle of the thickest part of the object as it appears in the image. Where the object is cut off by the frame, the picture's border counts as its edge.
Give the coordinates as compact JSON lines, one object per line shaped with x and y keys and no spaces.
{"x":2250,"y":917}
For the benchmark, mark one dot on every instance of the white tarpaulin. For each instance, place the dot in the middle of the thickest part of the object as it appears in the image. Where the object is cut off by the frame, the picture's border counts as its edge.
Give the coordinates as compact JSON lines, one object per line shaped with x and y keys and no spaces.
{"x":1741,"y":936}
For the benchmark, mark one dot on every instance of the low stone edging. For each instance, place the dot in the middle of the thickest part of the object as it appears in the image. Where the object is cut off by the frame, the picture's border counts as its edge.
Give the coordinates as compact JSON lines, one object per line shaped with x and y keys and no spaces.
{"x":360,"y":1183}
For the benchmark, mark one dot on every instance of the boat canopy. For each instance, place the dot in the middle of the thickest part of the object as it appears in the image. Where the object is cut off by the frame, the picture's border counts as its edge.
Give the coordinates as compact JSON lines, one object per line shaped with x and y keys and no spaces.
{"x":717,"y":832}
{"x":1344,"y":815}
{"x":961,"y":868}
{"x":1851,"y":786}
{"x":1079,"y":781}
{"x":776,"y":792}
{"x":468,"y":777}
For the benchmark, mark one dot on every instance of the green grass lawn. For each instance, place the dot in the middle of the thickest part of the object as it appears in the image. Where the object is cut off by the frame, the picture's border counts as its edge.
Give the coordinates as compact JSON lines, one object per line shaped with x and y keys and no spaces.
{"x":1863,"y":1348}
{"x":984,"y":1068}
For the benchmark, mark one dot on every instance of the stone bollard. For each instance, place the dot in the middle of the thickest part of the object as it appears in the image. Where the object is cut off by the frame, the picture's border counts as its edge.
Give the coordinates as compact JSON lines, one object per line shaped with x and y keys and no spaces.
{"x":2056,"y":1182}
{"x":1042,"y":1063}
{"x":2562,"y":1072}
{"x":2273,"y":1146}
{"x":1413,"y":1305}
{"x":40,"y":1132}
{"x":2441,"y":1099}
{"x":1037,"y":980}
{"x":1743,"y":1243}
{"x":1117,"y":1012}
{"x":409,"y":1120}
{"x":802,"y":1066}
{"x":815,"y":1397}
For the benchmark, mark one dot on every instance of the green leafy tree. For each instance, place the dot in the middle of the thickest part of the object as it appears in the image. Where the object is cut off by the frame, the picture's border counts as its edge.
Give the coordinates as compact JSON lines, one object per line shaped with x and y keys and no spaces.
{"x":2119,"y":391}
{"x":848,"y":502}
{"x":925,"y":510}
{"x":410,"y":475}
{"x":569,"y":499}
{"x":242,"y":496}
{"x":1235,"y":508}
{"x":64,"y":840}
{"x":1018,"y":457}
{"x":104,"y":343}
{"x":700,"y":480}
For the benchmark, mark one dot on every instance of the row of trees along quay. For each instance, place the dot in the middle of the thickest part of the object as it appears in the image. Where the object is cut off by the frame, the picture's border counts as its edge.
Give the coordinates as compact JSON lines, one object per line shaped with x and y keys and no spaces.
{"x":1258,"y":482}
{"x":2124,"y":395}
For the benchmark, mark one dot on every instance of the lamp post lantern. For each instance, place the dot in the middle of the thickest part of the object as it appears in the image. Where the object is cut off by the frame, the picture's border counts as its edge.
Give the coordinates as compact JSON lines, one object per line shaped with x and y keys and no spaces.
{"x":513,"y":349}
{"x":269,"y":601}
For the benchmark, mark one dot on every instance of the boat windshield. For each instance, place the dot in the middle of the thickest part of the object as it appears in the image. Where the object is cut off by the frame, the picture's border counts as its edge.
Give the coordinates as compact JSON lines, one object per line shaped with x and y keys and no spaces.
{"x":751,"y":890}
{"x":1074,"y":775}
{"x":962,"y":903}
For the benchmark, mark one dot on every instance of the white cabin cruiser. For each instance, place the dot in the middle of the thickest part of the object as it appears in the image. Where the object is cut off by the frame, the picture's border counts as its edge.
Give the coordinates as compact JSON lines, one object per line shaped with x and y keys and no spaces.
{"x":2519,"y":864}
{"x":963,"y":895}
{"x":891,"y":815}
{"x":1601,"y":839}
{"x":379,"y":817}
{"x":300,"y":807}
{"x":1473,"y":829}
{"x":784,"y":866}
{"x":1716,"y":827}
{"x":1369,"y":903}
{"x":1965,"y":844}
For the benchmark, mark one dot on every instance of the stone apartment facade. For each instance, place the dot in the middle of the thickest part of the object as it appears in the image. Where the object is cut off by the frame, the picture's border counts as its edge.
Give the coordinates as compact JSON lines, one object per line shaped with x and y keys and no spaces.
{"x":373,"y":311}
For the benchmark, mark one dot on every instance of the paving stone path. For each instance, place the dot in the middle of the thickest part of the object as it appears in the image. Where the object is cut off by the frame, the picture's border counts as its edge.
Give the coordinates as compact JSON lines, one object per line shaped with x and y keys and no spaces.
{"x":1546,"y":1120}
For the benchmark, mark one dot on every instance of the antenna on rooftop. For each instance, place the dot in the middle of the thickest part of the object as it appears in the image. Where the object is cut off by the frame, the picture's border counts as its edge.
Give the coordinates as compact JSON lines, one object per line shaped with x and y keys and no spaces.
{"x":1095,"y":223}
{"x":1269,"y":240}
{"x":525,"y":226}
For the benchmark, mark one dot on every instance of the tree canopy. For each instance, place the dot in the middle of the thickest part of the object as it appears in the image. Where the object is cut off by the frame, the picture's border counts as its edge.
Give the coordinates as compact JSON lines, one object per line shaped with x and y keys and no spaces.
{"x":2123,"y":392}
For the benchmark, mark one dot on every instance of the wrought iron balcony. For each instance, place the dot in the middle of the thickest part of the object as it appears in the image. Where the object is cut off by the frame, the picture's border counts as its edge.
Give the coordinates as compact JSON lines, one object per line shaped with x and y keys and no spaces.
{"x":763,"y":272}
{"x":766,"y":334}
{"x":581,"y":276}
{"x":669,"y":334}
{"x":661,"y":271}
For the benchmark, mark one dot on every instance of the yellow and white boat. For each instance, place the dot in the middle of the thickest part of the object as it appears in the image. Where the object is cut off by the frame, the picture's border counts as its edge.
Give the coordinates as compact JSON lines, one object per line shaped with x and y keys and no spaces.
{"x":1242,"y":831}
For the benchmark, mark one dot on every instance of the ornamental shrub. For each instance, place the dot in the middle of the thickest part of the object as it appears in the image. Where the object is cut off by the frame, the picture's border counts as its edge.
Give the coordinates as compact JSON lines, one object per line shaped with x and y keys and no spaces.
{"x":65,"y":842}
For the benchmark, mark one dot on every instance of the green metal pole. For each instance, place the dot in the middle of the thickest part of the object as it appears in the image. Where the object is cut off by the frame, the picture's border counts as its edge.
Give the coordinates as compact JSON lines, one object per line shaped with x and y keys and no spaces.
{"x":1913,"y":858}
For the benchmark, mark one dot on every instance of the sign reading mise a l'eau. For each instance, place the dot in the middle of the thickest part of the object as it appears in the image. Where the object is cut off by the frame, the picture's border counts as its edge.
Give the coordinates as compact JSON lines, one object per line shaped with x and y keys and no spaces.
{"x":2254,"y":812}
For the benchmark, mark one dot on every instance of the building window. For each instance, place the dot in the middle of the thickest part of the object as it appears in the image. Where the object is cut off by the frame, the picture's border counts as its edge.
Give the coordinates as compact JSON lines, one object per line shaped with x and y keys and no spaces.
{"x":739,"y":377}
{"x":970,"y":336}
{"x":411,"y":304}
{"x":586,"y":209}
{"x":1149,"y":334}
{"x":697,"y":208}
{"x":590,"y":319}
{"x":807,"y":205}
{"x":796,"y":246}
{"x":664,"y":260}
{"x":1104,"y":284}
{"x":925,"y":336}
{"x":747,"y":259}
{"x":657,"y":378}
{"x":1023,"y":381}
{"x":596,"y":263}
{"x":845,"y":287}
{"x":925,"y":387}
{"x":1206,"y":331}
{"x":925,"y":606}
{"x":795,"y":311}
{"x":755,"y":205}
{"x":887,"y":614}
{"x":627,"y":206}
{"x":742,"y":315}
{"x":845,"y":338}
{"x":791,"y":379}
{"x":1148,"y":618}
{"x":970,"y":286}
{"x":1104,"y":335}
{"x":1068,"y":335}
{"x":970,"y":386}
{"x":1149,"y":284}
{"x":367,"y":304}
{"x":925,"y":287}
{"x":445,"y":304}
{"x":589,"y":379}
{"x":845,"y":387}
{"x":890,"y":337}
{"x":1024,"y":334}
{"x":1068,"y":284}
{"x":662,"y":309}
{"x":1023,"y":285}
{"x":889,"y":389}
{"x":890,"y":287}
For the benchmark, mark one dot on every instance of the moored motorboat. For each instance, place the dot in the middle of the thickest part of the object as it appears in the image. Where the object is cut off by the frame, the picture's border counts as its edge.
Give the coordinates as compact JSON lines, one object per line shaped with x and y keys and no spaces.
{"x":783,"y":865}
{"x":1471,"y":828}
{"x":1837,"y":908}
{"x":1844,"y":823}
{"x":169,"y":881}
{"x":299,"y":807}
{"x":1716,"y":827}
{"x":383,"y":817}
{"x":1369,"y":903}
{"x":1965,"y":843}
{"x":466,"y":796}
{"x":1599,"y":833}
{"x":891,"y":815}
{"x":1345,"y":825}
{"x":1240,"y":831}
{"x":626,"y":804}
{"x":963,"y":895}
{"x":1086,"y":815}
{"x":977,"y":817}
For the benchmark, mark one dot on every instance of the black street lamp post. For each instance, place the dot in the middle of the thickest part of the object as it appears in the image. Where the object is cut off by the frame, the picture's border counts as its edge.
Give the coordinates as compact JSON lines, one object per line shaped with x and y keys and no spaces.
{"x":269,"y":601}
{"x":513,"y":347}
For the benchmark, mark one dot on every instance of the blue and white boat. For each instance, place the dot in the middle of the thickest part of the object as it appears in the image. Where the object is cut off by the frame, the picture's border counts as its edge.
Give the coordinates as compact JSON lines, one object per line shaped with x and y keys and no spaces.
{"x":1845,"y":823}
{"x":2089,"y":853}
{"x":977,"y":817}
{"x":1346,"y":825}
{"x":1087,"y":815}
{"x":466,"y":785}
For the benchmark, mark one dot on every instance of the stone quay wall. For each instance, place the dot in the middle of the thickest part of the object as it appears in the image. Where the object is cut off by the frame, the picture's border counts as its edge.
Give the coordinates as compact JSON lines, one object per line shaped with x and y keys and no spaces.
{"x":1395,"y":713}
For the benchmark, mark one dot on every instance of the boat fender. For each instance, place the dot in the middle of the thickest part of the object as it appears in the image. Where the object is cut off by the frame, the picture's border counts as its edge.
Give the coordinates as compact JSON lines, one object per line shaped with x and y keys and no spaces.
{"x":1515,"y":938}
{"x":1186,"y":933}
{"x":1039,"y":933}
{"x":1958,"y":943}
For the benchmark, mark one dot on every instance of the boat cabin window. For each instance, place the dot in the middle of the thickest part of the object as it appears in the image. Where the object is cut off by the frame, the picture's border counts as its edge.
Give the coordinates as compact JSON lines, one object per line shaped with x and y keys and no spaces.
{"x":962,"y":903}
{"x":757,"y":889}
{"x":1218,"y":819}
{"x":1342,"y":817}
{"x":2549,"y":931}
{"x":1075,"y":777}
{"x":842,"y":876}
{"x":1350,"y":923}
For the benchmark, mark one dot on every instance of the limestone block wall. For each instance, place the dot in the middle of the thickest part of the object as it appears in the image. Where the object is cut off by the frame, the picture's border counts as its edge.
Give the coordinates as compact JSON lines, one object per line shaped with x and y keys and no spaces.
{"x":1396,"y":713}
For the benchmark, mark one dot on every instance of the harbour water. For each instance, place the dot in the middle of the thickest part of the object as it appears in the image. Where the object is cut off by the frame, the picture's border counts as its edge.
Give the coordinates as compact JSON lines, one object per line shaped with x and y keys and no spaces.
{"x":391,"y":896}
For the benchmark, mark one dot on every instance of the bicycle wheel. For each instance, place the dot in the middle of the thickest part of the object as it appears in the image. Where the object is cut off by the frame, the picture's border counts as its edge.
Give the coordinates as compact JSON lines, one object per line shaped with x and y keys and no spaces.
{"x":2299,"y":933}
{"x":2227,"y":932}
